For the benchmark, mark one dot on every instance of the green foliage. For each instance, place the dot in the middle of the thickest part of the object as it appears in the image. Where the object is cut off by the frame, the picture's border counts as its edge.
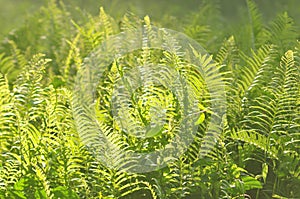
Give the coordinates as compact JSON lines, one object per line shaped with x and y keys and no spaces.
{"x":256,"y":156}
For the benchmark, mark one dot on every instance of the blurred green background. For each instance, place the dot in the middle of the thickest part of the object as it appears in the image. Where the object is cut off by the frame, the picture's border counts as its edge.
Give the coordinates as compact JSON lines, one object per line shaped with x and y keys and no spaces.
{"x":13,"y":13}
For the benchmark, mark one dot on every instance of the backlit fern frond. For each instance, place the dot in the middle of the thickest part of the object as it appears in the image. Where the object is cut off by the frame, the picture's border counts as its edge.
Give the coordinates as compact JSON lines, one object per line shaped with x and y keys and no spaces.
{"x":274,"y":113}
{"x":179,"y":179}
{"x":256,"y":139}
{"x":253,"y":65}
{"x":214,"y":98}
{"x":9,"y":165}
{"x":73,"y":61}
{"x":7,"y":116}
{"x":7,"y":66}
{"x":244,"y":78}
{"x":28,"y":90}
{"x":229,"y":56}
{"x":107,"y":23}
{"x":10,"y":173}
{"x":95,"y":31}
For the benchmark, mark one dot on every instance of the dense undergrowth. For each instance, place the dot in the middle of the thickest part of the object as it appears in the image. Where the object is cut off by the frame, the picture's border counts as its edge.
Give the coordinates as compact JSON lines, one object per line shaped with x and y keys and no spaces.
{"x":256,"y":156}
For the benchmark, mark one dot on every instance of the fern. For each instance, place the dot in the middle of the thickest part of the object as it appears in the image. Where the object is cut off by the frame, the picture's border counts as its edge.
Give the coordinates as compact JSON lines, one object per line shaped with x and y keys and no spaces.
{"x":6,"y":113}
{"x":281,"y":32}
{"x":255,"y":22}
{"x":253,"y":74}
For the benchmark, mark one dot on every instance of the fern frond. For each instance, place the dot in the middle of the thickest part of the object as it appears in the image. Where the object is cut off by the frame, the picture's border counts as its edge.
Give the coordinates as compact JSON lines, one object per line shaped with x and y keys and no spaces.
{"x":12,"y":62}
{"x":7,"y":66}
{"x":28,"y":89}
{"x":107,"y":23}
{"x":273,"y":114}
{"x":281,"y":32}
{"x":130,"y":22}
{"x":229,"y":55}
{"x":216,"y":91}
{"x":73,"y":61}
{"x":7,"y":116}
{"x":258,"y":140}
{"x":255,"y":21}
{"x":10,"y":173}
{"x":254,"y":64}
{"x":179,"y":179}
